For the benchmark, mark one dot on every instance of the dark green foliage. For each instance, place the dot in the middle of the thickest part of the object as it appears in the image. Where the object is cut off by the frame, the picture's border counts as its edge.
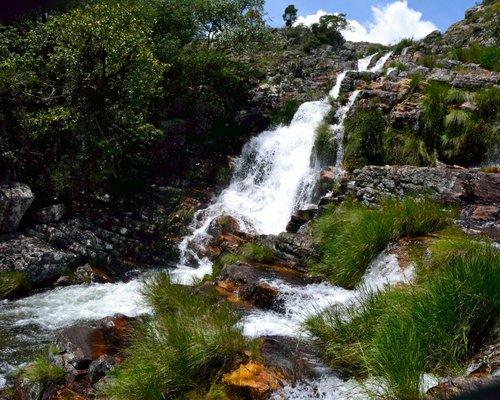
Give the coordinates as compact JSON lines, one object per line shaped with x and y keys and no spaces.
{"x":284,"y":115}
{"x":432,"y":327}
{"x":364,"y":131}
{"x":325,"y":145}
{"x":351,"y":236}
{"x":327,"y":31}
{"x":77,"y":96}
{"x":487,"y":57}
{"x":405,"y":147}
{"x":427,"y":60}
{"x":189,"y":343}
{"x":401,"y":45}
{"x":290,"y":15}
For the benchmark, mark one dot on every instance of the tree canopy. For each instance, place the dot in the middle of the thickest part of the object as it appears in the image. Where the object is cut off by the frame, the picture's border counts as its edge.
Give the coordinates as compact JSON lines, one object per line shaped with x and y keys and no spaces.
{"x":290,"y":15}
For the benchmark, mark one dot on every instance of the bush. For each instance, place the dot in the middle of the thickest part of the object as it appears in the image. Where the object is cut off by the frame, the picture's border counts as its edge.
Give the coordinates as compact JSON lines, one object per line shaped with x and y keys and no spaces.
{"x":13,"y":283}
{"x":351,"y":236}
{"x":431,"y":328}
{"x":364,"y":131}
{"x":284,"y":115}
{"x":188,"y":343}
{"x":401,"y":45}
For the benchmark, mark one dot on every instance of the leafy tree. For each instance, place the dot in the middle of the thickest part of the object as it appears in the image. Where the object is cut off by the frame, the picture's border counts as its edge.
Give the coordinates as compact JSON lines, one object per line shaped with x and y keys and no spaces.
{"x":81,"y":88}
{"x":290,"y":15}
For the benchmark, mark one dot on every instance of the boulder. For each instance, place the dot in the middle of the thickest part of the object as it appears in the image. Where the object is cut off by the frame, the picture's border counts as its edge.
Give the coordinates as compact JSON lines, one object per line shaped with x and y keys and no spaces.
{"x":252,"y":381}
{"x":52,"y":213}
{"x":90,"y":351}
{"x":15,"y":199}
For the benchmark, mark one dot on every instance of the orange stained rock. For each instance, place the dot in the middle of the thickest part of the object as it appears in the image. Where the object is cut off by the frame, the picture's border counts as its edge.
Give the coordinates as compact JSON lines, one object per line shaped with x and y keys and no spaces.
{"x":253,"y":376}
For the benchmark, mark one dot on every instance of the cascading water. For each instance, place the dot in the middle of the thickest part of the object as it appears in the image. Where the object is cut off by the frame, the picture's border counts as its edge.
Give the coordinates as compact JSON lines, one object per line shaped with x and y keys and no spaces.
{"x":273,"y":177}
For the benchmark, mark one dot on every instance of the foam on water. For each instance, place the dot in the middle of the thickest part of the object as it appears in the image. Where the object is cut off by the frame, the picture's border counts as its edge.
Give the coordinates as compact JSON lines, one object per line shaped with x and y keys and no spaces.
{"x":61,"y":307}
{"x":300,"y":302}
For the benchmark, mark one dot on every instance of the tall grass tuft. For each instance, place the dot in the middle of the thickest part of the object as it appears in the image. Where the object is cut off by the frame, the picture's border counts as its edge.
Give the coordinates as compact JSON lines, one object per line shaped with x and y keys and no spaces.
{"x":188,"y":342}
{"x":42,"y":370}
{"x":351,"y":236}
{"x":257,"y":252}
{"x":13,"y":283}
{"x":431,"y":327}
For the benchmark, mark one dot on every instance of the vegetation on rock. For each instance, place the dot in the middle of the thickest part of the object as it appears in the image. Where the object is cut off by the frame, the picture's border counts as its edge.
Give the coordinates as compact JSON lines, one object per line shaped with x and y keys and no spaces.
{"x":13,"y":283}
{"x":433,"y":326}
{"x":190,"y":341}
{"x":351,"y":236}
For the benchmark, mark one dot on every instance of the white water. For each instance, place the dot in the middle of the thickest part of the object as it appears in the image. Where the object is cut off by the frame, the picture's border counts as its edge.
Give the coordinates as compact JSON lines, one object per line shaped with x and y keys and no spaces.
{"x":301,"y":302}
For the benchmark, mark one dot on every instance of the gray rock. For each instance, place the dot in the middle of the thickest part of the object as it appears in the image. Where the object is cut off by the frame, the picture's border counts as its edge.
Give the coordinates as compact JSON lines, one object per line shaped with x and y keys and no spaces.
{"x":15,"y":199}
{"x":50,"y":214}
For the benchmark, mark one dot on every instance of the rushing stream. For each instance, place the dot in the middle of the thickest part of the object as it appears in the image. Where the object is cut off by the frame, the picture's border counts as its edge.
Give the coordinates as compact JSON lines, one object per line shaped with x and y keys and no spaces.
{"x":273,"y":177}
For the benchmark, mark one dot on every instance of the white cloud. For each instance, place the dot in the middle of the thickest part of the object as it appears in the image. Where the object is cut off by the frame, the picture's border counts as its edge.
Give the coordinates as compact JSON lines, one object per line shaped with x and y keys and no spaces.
{"x":308,"y":20}
{"x":390,"y":24}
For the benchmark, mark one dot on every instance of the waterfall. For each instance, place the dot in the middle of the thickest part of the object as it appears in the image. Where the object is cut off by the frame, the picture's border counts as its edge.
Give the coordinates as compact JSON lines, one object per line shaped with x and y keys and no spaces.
{"x":272,"y":178}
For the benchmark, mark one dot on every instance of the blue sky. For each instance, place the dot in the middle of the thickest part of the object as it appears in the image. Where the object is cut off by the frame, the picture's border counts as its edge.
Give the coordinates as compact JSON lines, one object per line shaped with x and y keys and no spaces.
{"x":389,"y":21}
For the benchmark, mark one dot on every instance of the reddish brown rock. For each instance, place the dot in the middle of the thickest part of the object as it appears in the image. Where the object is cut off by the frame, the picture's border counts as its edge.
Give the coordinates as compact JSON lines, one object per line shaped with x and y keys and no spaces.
{"x":252,"y":381}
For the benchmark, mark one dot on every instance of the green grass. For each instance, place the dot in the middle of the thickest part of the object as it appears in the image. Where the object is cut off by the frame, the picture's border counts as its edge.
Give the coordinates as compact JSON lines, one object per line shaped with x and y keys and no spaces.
{"x":13,"y":283}
{"x":325,"y":145}
{"x":42,"y":370}
{"x":189,"y":342}
{"x":431,"y":327}
{"x":256,"y":252}
{"x":351,"y":236}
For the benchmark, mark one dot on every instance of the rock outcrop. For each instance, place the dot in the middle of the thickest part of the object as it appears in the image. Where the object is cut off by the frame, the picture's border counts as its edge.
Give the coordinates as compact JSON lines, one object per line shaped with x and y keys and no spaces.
{"x":15,"y":199}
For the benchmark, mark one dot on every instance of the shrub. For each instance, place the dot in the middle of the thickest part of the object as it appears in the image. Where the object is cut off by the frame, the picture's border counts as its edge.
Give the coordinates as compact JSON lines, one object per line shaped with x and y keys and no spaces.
{"x":401,"y":45}
{"x":432,"y":327}
{"x":351,"y":236}
{"x":13,"y":283}
{"x":405,"y":147}
{"x":189,"y":342}
{"x":284,"y":115}
{"x":363,"y":138}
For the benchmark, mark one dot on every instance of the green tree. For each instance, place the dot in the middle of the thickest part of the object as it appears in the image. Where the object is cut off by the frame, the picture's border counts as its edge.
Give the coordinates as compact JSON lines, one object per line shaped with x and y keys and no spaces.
{"x":290,"y":15}
{"x":81,"y":85}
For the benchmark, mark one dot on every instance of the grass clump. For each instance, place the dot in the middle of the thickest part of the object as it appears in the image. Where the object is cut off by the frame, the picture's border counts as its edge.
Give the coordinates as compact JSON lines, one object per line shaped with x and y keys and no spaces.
{"x":325,"y":145}
{"x":42,"y":370}
{"x":351,"y":236}
{"x":432,"y":327}
{"x":256,"y":252}
{"x":189,"y":342}
{"x":13,"y":283}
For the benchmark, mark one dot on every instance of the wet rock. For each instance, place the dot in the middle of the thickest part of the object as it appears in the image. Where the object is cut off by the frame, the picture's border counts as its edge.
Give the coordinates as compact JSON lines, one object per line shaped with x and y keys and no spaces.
{"x":15,"y":199}
{"x":225,"y":224}
{"x":292,"y":250}
{"x":49,"y":214}
{"x":42,"y":263}
{"x":301,"y":217}
{"x":86,"y":353}
{"x":252,"y":381}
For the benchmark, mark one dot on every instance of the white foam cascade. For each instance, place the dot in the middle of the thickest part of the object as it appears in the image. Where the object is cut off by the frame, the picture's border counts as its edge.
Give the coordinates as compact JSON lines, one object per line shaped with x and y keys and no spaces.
{"x":301,"y":302}
{"x":273,"y":177}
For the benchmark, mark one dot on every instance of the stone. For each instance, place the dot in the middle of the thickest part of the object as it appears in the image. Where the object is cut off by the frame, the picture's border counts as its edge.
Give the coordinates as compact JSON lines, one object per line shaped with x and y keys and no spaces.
{"x":52,"y":213}
{"x":225,"y":224}
{"x":15,"y":199}
{"x":252,"y":381}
